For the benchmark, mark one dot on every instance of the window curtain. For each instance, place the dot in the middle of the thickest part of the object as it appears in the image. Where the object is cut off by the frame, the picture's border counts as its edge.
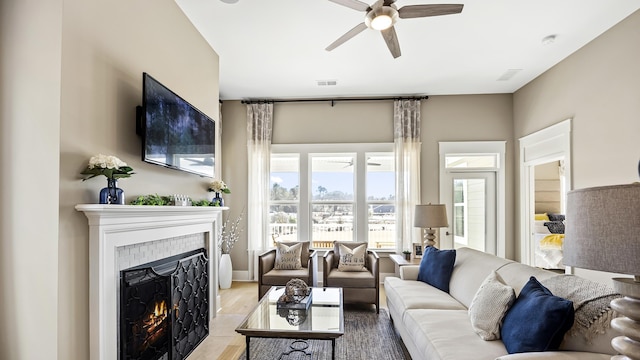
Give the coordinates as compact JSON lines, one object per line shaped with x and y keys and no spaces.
{"x":259,"y":129}
{"x":406,"y":125}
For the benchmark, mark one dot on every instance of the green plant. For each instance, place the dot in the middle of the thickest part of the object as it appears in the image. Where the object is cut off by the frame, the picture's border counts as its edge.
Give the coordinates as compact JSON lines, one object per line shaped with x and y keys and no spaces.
{"x":201,"y":203}
{"x":406,"y":252}
{"x":152,"y":200}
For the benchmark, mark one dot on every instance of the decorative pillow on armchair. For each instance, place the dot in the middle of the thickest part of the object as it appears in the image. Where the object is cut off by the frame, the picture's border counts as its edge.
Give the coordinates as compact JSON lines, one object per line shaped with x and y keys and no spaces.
{"x":537,"y":321}
{"x":436,"y":267}
{"x":288,"y":257}
{"x":352,"y":259}
{"x":489,"y":306}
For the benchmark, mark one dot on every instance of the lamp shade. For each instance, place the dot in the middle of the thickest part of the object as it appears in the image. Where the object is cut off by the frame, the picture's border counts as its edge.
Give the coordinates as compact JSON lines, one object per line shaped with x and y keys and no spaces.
{"x":603,"y":229}
{"x":430,"y":216}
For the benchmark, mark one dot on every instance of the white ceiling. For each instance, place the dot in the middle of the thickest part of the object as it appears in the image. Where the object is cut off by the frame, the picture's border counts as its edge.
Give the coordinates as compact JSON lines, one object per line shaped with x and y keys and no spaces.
{"x":275,"y":49}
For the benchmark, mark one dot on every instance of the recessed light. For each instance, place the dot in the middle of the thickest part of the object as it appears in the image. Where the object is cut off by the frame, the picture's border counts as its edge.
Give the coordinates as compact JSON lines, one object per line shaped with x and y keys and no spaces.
{"x":548,"y":40}
{"x":327,"y":82}
{"x":229,"y":1}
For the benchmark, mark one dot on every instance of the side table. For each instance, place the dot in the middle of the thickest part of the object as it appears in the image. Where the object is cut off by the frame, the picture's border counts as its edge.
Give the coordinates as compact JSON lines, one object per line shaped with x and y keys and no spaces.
{"x":399,"y":260}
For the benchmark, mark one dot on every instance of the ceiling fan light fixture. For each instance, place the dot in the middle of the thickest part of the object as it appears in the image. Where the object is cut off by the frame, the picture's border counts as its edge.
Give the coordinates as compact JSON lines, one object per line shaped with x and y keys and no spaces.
{"x":381,"y":22}
{"x":381,"y":18}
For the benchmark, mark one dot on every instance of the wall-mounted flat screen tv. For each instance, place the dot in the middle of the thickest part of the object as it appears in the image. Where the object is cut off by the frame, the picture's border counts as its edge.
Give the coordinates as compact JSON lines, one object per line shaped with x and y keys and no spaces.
{"x":175,"y":134}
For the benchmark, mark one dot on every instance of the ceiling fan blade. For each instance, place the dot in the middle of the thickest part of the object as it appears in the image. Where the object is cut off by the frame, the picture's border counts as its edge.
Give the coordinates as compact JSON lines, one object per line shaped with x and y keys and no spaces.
{"x":391,"y":39}
{"x":378,"y":4}
{"x":348,"y":35}
{"x":416,"y":11}
{"x":389,"y":2}
{"x":354,"y":4}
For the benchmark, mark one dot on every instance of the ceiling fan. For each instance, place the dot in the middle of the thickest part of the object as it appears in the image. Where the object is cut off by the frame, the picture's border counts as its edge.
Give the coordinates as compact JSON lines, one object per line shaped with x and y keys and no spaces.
{"x":205,"y":162}
{"x":350,"y":163}
{"x":383,"y":14}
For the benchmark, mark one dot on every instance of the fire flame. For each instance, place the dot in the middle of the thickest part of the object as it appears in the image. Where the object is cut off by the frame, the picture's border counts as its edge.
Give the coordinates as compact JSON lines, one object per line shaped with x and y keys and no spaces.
{"x":160,"y":310}
{"x":157,"y":317}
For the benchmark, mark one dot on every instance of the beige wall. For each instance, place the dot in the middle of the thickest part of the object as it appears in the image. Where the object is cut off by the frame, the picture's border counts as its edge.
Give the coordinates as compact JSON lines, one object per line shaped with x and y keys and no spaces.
{"x":444,"y":118}
{"x":598,"y":87}
{"x":30,"y":41}
{"x":71,"y":78}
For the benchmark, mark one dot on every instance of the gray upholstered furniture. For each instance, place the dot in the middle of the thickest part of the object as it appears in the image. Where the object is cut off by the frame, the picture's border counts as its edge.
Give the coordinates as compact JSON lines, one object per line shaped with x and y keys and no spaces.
{"x":435,"y":325}
{"x":268,"y":276}
{"x":361,"y":287}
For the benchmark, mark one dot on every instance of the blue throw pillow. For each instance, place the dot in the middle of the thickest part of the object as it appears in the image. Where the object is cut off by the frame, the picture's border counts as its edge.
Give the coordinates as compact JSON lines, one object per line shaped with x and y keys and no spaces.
{"x":537,"y":321}
{"x":436,"y":267}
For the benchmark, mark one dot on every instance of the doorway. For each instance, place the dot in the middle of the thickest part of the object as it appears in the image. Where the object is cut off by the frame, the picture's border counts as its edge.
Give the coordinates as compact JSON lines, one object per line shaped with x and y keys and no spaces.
{"x":472,"y":187}
{"x":541,"y":151}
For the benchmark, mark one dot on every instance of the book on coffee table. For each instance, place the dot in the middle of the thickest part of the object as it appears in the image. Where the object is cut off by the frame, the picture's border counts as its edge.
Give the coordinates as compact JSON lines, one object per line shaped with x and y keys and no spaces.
{"x":302,"y":305}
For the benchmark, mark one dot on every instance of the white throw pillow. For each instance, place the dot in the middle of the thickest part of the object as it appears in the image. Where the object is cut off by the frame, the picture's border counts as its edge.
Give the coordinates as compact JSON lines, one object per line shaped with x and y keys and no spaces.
{"x":288,"y":257}
{"x":352,"y":260}
{"x":489,"y":305}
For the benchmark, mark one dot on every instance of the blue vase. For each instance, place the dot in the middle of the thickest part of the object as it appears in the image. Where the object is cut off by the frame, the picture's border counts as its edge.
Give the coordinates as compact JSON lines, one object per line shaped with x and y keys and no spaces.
{"x":217,"y":200}
{"x":112,"y":194}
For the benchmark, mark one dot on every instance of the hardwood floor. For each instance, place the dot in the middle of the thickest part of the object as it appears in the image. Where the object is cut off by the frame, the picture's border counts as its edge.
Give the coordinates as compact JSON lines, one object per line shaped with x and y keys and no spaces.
{"x":223,"y":343}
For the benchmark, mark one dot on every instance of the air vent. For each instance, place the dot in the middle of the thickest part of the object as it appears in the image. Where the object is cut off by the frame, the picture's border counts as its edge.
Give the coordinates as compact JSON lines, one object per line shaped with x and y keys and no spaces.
{"x":509,"y":74}
{"x":327,"y":82}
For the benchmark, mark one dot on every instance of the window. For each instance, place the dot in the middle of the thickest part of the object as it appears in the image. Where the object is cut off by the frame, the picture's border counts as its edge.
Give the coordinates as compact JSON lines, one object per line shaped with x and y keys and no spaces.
{"x":381,"y":210}
{"x":332,"y":197}
{"x":284,"y":199}
{"x":342,"y":192}
{"x":459,"y":213}
{"x":471,"y":161}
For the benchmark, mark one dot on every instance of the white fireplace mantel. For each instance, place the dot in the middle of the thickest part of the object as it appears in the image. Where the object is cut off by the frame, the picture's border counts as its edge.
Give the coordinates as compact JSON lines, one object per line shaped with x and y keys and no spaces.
{"x":113,"y":226}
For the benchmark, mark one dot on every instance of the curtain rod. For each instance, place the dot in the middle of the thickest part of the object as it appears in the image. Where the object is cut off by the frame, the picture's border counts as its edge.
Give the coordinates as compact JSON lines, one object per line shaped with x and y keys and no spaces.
{"x":333,"y":101}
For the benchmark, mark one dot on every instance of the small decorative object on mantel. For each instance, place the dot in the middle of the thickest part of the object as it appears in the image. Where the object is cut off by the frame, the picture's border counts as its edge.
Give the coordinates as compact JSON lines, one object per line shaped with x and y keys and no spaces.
{"x":297,"y":295}
{"x":113,"y":169}
{"x":181,"y":200}
{"x":227,"y":237}
{"x":218,"y":186}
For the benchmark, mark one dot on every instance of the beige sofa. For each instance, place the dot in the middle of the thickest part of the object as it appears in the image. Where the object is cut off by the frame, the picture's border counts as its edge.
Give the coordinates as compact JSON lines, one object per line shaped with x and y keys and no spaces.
{"x":435,"y":325}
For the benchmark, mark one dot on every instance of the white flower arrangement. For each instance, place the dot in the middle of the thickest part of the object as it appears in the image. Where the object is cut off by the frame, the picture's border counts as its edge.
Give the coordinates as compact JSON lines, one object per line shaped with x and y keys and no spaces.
{"x":229,"y":234}
{"x":218,"y":186}
{"x":107,"y":165}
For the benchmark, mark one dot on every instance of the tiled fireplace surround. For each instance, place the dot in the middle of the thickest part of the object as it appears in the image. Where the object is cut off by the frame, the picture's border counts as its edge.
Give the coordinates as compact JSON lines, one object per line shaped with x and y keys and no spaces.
{"x":122,"y":236}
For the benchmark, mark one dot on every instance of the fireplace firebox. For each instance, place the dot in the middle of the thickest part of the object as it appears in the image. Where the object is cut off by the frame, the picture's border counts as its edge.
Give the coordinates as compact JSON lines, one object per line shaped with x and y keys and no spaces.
{"x":164,"y":307}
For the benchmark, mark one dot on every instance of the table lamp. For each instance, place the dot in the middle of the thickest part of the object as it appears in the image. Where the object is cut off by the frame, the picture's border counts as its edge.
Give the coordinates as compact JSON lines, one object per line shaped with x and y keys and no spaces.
{"x":428,"y":217}
{"x":603,"y":233}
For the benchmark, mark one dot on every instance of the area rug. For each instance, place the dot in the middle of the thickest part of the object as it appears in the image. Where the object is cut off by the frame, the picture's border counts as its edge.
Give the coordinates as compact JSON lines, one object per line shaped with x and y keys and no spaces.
{"x":367,"y":336}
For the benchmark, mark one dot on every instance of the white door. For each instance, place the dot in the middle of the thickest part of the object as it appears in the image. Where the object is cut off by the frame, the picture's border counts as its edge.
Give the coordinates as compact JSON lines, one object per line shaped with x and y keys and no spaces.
{"x":470,"y":198}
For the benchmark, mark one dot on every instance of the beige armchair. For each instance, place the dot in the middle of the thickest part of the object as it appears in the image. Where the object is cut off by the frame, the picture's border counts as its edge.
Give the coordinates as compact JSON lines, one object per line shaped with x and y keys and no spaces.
{"x":357,"y":286}
{"x":268,"y":276}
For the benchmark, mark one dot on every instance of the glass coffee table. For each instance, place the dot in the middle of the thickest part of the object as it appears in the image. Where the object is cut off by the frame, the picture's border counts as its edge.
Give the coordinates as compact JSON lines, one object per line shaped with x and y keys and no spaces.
{"x":323,"y":320}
